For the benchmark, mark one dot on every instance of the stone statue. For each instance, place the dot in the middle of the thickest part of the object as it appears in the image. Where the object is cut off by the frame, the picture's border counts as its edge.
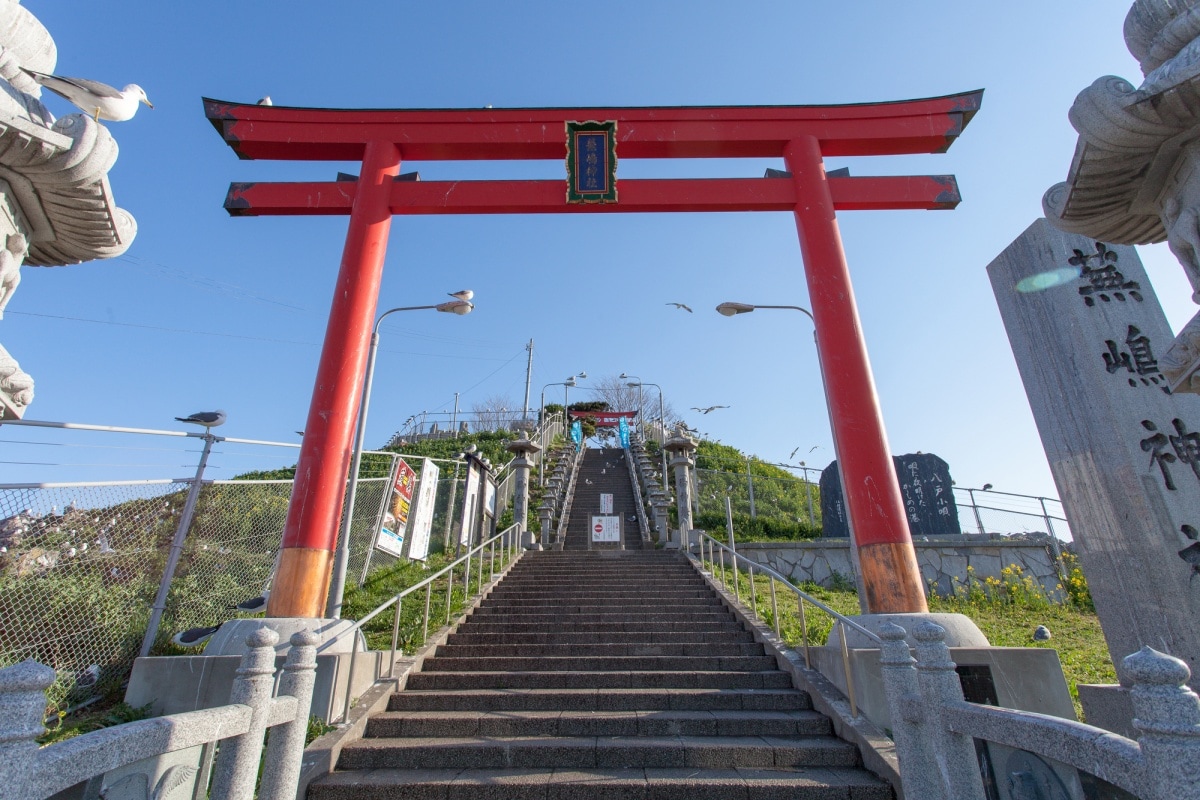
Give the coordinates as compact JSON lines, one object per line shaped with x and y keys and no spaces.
{"x":1135,"y":177}
{"x":15,"y":383}
{"x":11,"y":258}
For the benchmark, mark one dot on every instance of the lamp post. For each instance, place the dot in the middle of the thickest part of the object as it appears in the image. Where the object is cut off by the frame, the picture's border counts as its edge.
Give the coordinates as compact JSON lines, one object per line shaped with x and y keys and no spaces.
{"x":337,"y":585}
{"x":887,"y":561}
{"x":662,"y":425}
{"x":542,"y":414}
{"x":626,"y":376}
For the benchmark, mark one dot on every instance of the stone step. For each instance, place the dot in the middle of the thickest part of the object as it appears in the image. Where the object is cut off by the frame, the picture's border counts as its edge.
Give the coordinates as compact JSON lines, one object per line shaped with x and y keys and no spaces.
{"x":576,"y":592}
{"x":773,"y":679}
{"x":746,"y":783}
{"x":541,"y":663}
{"x":696,"y":638}
{"x":590,"y":752}
{"x":592,"y":699}
{"x":689,"y":606}
{"x":597,"y":723}
{"x":588,"y":624}
{"x":456,"y":649}
{"x":571,"y":614}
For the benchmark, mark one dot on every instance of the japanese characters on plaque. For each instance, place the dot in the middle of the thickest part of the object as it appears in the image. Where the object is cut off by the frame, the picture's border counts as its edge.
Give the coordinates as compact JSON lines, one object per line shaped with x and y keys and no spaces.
{"x":591,"y":162}
{"x":925,"y":487}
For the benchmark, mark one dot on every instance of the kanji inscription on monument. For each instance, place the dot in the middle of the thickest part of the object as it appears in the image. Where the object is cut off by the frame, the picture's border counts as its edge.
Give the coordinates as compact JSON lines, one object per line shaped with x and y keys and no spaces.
{"x":1124,"y":449}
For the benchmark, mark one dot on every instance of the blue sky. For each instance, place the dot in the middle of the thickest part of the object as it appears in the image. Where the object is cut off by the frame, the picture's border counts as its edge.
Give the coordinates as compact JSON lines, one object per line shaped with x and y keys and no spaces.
{"x":207,"y":311}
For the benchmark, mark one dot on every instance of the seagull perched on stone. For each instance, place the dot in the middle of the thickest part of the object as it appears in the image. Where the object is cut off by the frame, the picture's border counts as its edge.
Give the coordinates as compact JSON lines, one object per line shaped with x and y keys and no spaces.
{"x":708,"y":410}
{"x":681,"y":305}
{"x":93,"y":97}
{"x":209,"y":419}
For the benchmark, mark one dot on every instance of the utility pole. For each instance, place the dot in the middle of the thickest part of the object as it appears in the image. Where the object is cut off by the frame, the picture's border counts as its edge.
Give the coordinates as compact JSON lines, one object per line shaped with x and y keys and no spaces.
{"x":454,"y":421}
{"x":528,"y":378}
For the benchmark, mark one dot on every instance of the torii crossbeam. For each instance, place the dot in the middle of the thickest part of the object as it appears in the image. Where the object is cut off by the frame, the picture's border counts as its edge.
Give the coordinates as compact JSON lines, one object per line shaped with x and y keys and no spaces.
{"x":801,"y":135}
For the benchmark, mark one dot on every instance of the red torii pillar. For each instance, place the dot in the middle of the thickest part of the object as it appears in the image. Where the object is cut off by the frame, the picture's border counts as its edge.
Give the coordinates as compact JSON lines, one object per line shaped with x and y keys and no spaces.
{"x":802,"y":135}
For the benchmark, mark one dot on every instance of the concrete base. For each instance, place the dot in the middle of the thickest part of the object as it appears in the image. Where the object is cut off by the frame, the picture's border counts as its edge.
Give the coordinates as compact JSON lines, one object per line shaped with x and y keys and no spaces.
{"x":961,"y":630}
{"x":1024,"y":678}
{"x":1108,"y":706}
{"x":334,"y":634}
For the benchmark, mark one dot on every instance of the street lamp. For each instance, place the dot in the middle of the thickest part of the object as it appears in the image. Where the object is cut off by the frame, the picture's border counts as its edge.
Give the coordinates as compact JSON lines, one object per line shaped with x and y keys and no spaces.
{"x":730,"y":309}
{"x":626,"y":376}
{"x":569,"y":382}
{"x":662,"y":425}
{"x":337,"y":585}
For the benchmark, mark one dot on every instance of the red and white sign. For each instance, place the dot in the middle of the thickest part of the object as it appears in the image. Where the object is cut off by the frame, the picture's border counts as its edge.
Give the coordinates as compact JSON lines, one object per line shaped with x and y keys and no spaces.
{"x":606,"y":529}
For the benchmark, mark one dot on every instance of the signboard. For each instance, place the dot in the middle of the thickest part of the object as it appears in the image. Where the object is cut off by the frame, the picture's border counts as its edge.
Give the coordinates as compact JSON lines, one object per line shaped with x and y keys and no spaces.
{"x":576,"y":433}
{"x":606,"y":503}
{"x":606,"y":529}
{"x":925,"y":486}
{"x":470,"y":506}
{"x":421,"y":521}
{"x":623,"y":428}
{"x":591,"y":162}
{"x":390,"y":538}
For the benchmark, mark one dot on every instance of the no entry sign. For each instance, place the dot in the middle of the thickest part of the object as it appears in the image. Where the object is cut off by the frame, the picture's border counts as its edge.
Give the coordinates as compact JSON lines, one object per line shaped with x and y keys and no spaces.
{"x":606,"y":529}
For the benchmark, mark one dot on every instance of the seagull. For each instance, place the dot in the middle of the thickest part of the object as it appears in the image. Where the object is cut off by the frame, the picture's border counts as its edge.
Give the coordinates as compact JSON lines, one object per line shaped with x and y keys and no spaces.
{"x":680,"y":305}
{"x":194,"y":637}
{"x":465,"y":295}
{"x":793,"y":455}
{"x":253,"y":605}
{"x":88,"y":677}
{"x":98,"y":99}
{"x":708,"y":410}
{"x":265,"y":101}
{"x":209,"y":419}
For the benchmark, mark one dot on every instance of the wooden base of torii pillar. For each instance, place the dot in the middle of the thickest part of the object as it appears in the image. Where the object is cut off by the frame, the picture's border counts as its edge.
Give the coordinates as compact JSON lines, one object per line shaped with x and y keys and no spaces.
{"x":802,"y":135}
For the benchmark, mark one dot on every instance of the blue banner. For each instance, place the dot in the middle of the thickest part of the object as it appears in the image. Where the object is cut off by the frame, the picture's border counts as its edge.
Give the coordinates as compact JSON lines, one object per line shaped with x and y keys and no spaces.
{"x":623,"y":428}
{"x":576,"y":433}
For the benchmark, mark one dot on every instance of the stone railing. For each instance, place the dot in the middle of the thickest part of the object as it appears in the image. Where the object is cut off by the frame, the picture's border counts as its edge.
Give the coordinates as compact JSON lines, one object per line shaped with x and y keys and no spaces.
{"x":639,"y":500}
{"x":933,"y":727}
{"x":28,"y":772}
{"x":560,"y":536}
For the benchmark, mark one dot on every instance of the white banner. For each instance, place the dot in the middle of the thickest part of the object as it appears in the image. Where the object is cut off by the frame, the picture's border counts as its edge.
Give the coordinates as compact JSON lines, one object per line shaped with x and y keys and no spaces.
{"x":421,"y":521}
{"x":470,"y":507}
{"x":606,"y":503}
{"x":606,"y":529}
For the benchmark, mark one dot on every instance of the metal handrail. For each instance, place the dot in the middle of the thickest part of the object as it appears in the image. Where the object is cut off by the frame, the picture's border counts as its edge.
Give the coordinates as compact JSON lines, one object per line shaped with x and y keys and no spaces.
{"x":512,"y":533}
{"x":560,"y":534}
{"x":639,"y":498}
{"x":801,"y":595}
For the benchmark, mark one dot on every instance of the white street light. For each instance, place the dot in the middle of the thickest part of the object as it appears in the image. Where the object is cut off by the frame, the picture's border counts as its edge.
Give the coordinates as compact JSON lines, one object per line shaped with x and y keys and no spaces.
{"x":662,"y":425}
{"x":569,"y":382}
{"x":337,"y":586}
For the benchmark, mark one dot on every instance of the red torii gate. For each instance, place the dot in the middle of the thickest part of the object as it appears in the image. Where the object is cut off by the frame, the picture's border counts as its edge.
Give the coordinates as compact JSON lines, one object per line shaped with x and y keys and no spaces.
{"x":801,"y":135}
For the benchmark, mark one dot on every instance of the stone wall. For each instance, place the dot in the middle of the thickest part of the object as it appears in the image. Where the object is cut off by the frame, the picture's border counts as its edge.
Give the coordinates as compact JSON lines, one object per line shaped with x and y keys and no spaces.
{"x":943,"y":562}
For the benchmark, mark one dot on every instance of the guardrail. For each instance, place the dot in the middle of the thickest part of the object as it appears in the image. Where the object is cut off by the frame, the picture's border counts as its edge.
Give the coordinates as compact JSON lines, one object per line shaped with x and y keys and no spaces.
{"x":802,"y":597}
{"x":560,"y":534}
{"x":30,"y":773}
{"x":639,"y":498}
{"x":508,"y":541}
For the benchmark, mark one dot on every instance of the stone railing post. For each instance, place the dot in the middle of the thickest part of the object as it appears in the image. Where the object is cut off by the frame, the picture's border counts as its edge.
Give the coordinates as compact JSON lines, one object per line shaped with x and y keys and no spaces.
{"x":901,"y":688}
{"x":525,"y":451}
{"x":1167,"y":713}
{"x":681,"y":449}
{"x":662,"y":522}
{"x":237,"y":763}
{"x":285,"y":746}
{"x":546,"y":516}
{"x":22,"y":708}
{"x":957,"y":766}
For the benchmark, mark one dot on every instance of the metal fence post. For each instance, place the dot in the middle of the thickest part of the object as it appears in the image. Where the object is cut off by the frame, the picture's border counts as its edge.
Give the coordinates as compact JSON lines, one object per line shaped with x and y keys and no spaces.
{"x":975,"y":508}
{"x":185,"y":521}
{"x":237,"y":763}
{"x":1167,"y":713}
{"x":285,"y":746}
{"x":750,"y":488}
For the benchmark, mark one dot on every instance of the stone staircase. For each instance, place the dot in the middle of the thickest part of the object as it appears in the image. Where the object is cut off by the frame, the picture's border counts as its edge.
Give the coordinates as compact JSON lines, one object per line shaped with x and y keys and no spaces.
{"x":595,"y":675}
{"x":603,"y":471}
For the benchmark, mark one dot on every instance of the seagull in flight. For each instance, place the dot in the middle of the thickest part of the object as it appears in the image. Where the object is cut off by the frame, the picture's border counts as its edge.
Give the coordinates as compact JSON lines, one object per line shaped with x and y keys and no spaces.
{"x":93,"y":97}
{"x":209,"y":419}
{"x":708,"y":410}
{"x":680,"y":305}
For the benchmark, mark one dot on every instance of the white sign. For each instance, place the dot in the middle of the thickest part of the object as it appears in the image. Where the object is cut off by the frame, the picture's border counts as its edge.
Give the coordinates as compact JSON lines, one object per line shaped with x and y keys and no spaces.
{"x":606,"y":529}
{"x":421,"y":521}
{"x":606,"y":503}
{"x":470,"y":507}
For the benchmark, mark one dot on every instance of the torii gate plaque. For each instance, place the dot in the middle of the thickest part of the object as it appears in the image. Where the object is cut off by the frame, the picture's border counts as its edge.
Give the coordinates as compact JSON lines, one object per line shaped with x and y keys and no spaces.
{"x":801,"y":135}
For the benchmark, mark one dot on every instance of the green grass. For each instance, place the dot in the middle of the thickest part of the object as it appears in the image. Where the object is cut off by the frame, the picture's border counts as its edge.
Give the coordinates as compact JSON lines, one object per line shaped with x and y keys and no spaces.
{"x":1006,"y":609}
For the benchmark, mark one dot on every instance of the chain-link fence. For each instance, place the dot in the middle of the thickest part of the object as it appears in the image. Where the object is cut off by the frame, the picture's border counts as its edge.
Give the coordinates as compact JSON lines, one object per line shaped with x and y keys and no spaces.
{"x":781,"y":504}
{"x":81,"y":562}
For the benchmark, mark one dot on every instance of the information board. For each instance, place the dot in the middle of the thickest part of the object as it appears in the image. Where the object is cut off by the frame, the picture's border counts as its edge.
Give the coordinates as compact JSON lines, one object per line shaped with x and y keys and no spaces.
{"x":390,"y":538}
{"x":606,"y":528}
